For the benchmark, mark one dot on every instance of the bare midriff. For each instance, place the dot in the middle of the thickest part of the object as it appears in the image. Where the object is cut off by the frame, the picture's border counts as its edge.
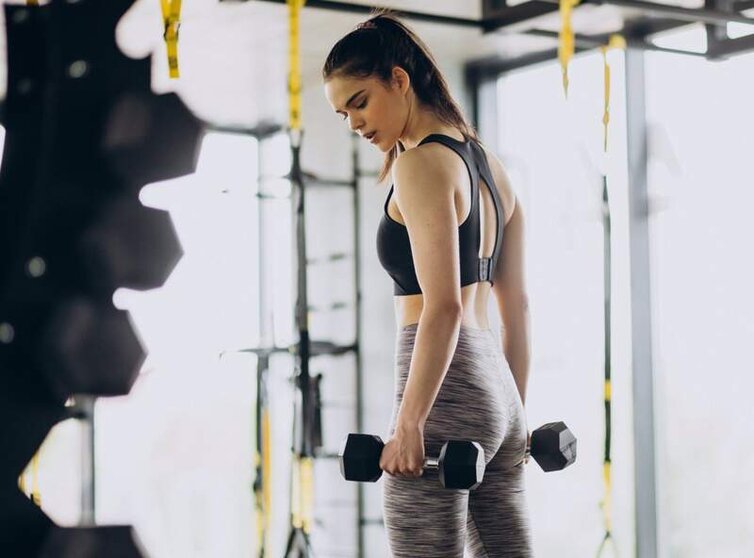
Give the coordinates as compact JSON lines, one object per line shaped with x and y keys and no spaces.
{"x":474,"y":297}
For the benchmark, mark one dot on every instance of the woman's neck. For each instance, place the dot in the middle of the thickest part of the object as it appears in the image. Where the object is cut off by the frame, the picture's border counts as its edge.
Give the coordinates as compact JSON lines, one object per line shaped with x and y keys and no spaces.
{"x":422,"y":123}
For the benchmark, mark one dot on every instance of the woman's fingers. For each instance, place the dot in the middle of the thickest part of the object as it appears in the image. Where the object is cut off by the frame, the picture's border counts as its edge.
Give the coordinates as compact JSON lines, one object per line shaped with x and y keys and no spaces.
{"x":393,"y":462}
{"x":411,"y":471}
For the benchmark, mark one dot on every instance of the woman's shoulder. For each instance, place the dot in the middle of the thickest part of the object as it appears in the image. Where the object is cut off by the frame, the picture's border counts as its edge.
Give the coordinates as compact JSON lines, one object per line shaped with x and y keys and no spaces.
{"x":431,"y":157}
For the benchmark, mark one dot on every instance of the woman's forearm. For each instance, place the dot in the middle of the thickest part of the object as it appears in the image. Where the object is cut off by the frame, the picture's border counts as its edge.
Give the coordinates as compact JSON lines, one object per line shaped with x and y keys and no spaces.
{"x":515,"y":337}
{"x":434,"y":347}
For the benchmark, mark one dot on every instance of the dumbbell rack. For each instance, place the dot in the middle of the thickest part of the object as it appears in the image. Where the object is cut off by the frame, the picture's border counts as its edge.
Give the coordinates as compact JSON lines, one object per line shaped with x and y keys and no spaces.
{"x":307,"y":435}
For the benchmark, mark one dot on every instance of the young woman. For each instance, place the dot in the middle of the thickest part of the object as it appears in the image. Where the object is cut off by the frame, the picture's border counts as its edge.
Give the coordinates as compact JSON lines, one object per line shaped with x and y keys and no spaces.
{"x":441,"y":240}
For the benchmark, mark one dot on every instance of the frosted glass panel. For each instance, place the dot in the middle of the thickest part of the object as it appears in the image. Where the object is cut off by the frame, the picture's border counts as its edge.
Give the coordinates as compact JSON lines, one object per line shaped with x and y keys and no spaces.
{"x":553,"y":152}
{"x":700,"y":177}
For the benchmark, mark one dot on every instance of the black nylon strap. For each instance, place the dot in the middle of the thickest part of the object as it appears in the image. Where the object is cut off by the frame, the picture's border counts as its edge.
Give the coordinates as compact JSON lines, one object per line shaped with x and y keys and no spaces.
{"x":486,"y":268}
{"x":487,"y":265}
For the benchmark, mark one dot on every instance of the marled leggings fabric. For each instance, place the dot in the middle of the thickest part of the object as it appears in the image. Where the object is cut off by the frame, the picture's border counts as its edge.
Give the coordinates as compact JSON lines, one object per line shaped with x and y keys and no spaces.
{"x":478,"y":401}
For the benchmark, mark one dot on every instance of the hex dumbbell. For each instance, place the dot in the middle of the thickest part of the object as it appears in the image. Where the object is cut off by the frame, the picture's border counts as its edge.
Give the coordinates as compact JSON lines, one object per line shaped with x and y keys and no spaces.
{"x":460,"y":463}
{"x":553,"y":446}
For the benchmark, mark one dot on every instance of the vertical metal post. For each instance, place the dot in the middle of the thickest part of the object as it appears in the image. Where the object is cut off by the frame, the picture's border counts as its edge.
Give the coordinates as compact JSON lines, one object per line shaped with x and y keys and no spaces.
{"x":266,"y":330}
{"x":641,"y":322}
{"x":262,"y":480}
{"x":357,"y":342}
{"x":86,"y":418}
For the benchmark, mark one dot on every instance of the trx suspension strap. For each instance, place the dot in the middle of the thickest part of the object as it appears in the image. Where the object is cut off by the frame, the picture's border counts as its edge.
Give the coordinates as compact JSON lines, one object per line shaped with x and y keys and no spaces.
{"x":171,"y":16}
{"x":302,"y":472}
{"x":566,"y":39}
{"x":615,"y":42}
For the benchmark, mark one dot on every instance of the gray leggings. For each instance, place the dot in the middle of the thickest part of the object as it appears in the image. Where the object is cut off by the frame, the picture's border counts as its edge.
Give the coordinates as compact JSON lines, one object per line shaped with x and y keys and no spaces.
{"x":478,"y":401}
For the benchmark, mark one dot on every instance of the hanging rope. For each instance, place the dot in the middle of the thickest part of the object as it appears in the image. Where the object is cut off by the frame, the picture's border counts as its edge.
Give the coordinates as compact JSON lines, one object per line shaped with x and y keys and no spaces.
{"x":302,"y":489}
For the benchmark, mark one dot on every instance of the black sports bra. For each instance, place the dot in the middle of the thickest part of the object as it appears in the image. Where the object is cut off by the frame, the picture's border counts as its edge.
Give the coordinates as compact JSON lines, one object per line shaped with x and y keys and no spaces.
{"x":394,"y":248}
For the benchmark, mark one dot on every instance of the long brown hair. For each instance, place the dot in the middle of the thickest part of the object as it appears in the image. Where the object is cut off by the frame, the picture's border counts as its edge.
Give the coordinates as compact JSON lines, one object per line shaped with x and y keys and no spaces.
{"x":379,"y":44}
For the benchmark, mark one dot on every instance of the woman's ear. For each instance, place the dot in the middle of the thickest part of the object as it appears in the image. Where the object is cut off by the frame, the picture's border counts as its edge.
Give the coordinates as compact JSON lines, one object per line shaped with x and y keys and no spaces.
{"x":401,"y":79}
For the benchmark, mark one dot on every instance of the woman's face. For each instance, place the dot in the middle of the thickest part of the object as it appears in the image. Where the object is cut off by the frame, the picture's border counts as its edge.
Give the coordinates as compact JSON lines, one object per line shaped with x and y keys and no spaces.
{"x":372,"y":109}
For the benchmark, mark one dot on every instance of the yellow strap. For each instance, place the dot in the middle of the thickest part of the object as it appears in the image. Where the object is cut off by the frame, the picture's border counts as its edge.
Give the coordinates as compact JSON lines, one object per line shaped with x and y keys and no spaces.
{"x":32,"y":2}
{"x":267,"y":473}
{"x":302,"y":493}
{"x":267,"y":477}
{"x":608,"y":390}
{"x":615,"y":42}
{"x":263,"y":492}
{"x":566,"y":46}
{"x":294,"y":64}
{"x":171,"y":16}
{"x":606,"y":506}
{"x":606,"y":503}
{"x":306,"y":478}
{"x":296,"y":519}
{"x":259,"y":510}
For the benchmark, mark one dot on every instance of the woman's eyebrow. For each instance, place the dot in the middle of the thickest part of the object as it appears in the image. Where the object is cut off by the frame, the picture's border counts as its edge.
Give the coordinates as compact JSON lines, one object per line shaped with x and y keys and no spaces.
{"x":350,"y":100}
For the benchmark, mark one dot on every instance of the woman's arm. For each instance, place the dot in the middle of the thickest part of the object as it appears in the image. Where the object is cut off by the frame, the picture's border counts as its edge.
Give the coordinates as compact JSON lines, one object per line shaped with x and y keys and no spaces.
{"x":425,"y":179}
{"x":434,"y":345}
{"x":509,"y":290}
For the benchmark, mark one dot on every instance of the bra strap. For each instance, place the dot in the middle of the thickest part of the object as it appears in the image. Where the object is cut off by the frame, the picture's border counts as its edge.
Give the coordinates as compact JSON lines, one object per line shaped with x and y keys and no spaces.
{"x":487,"y":265}
{"x":464,"y":151}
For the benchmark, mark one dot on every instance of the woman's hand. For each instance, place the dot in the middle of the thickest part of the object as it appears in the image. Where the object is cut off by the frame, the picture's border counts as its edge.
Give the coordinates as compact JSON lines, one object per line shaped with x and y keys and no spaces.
{"x":403,"y":454}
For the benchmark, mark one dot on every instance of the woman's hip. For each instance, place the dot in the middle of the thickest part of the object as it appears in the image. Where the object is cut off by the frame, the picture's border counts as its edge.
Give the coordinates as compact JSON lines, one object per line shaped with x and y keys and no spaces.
{"x":476,"y":399}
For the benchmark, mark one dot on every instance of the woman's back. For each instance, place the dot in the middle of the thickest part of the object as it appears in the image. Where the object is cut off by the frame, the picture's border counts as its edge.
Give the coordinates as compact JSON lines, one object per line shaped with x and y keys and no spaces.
{"x":475,"y":296}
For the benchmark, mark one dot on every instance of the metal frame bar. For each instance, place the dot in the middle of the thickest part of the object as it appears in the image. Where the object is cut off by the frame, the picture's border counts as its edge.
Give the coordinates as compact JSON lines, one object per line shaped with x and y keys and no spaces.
{"x":690,"y":15}
{"x":506,"y":15}
{"x":637,"y":32}
{"x":368,"y":9}
{"x":497,"y":16}
{"x":357,"y":270}
{"x":595,"y":41}
{"x":641,"y":310}
{"x":86,"y":404}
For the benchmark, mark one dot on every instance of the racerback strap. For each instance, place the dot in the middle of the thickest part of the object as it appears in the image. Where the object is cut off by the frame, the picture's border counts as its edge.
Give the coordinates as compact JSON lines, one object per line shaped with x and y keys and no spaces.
{"x":474,"y":157}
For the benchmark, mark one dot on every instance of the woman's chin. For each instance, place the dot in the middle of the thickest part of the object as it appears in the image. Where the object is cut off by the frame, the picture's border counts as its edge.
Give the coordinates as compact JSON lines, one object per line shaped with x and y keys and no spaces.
{"x":383,"y":146}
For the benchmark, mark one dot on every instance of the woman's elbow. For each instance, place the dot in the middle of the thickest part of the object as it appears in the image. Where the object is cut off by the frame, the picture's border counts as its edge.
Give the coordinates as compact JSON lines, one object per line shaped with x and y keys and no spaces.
{"x":513,"y":302}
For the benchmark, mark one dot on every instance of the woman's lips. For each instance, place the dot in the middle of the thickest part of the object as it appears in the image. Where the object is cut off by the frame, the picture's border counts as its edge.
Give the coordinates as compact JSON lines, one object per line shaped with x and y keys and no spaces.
{"x":371,"y":140}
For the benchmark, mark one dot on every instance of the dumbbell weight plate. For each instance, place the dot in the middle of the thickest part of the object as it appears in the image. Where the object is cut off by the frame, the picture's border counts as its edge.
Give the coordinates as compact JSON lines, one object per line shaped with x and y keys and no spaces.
{"x":360,"y":458}
{"x":461,"y":465}
{"x":553,"y":446}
